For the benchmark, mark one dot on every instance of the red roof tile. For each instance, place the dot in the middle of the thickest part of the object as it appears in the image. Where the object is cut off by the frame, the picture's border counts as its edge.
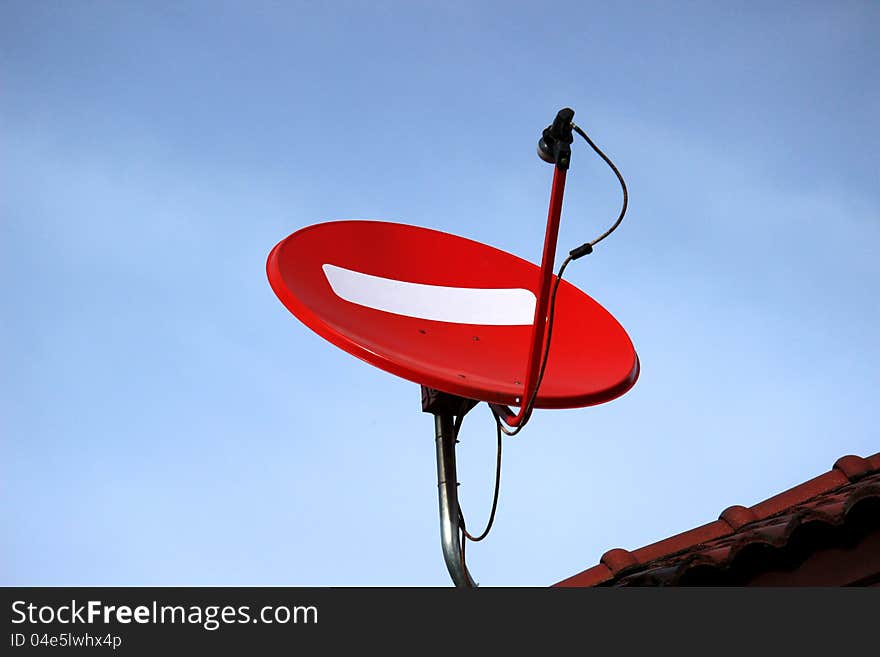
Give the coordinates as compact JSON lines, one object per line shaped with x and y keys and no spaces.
{"x":828,"y":499}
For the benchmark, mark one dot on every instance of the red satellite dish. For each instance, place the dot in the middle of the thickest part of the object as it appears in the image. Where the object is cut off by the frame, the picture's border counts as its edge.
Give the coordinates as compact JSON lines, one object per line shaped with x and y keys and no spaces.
{"x":448,"y":313}
{"x":465,"y":320}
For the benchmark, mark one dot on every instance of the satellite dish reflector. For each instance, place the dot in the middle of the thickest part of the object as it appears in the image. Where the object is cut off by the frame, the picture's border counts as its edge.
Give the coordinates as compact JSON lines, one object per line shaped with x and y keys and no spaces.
{"x":467,"y":321}
{"x":448,"y":313}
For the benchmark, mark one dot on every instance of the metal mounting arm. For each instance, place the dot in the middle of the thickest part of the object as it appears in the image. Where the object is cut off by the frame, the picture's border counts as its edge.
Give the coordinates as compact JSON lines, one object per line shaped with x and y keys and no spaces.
{"x":447,"y":486}
{"x":554,"y":147}
{"x":539,"y":325}
{"x":445,"y":407}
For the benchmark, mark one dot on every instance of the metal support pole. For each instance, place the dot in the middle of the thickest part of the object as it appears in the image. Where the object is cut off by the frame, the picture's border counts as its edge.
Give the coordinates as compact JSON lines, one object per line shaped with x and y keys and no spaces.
{"x":539,"y":325}
{"x":447,"y":485}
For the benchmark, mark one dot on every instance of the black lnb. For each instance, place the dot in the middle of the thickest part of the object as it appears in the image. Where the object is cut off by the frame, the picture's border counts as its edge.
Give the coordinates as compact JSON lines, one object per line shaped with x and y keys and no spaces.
{"x":554,"y":146}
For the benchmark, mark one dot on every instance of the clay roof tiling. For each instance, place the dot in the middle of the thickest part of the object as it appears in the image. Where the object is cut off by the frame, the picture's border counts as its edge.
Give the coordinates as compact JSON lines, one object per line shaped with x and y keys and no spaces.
{"x":776,"y":532}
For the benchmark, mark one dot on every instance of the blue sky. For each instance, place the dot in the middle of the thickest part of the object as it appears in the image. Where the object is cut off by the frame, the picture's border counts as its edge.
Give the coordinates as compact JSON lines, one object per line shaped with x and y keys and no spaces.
{"x":163,"y":418}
